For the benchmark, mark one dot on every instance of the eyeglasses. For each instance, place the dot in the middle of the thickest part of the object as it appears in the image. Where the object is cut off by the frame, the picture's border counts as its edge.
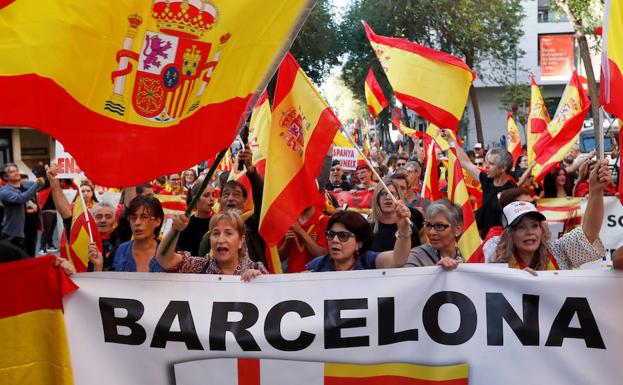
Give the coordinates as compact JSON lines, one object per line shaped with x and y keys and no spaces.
{"x":174,"y":179}
{"x":401,"y":164}
{"x":439,"y":227}
{"x":143,"y":218}
{"x":343,"y":236}
{"x":336,"y":169}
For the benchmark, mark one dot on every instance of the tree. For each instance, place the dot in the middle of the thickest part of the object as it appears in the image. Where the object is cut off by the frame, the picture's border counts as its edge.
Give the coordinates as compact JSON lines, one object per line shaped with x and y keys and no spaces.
{"x":484,"y":33}
{"x":317,"y":47}
{"x":516,"y":100}
{"x":585,"y":16}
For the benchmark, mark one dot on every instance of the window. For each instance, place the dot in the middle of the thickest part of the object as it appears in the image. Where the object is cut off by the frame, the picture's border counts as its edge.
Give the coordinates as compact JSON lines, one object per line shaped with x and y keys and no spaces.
{"x":547,"y":14}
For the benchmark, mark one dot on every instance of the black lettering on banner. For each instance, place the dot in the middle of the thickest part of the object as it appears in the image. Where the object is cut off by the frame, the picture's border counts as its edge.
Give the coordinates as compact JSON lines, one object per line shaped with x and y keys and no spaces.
{"x":272,"y":326}
{"x":467,"y":312}
{"x":187,"y":333}
{"x":334,"y":323}
{"x":611,"y":221}
{"x":111,"y":323}
{"x":387,"y":324}
{"x":219,"y":325}
{"x":499,"y":310}
{"x":588,"y":330}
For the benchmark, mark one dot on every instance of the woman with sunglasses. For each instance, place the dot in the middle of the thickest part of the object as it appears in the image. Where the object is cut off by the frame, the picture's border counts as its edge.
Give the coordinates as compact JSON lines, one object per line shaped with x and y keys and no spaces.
{"x":526,"y":241}
{"x":349,"y":238}
{"x":146,"y":216}
{"x":444,"y":222}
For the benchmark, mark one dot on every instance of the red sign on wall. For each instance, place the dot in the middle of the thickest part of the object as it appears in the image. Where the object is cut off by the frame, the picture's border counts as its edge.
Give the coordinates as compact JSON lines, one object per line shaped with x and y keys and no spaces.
{"x":556,"y":57}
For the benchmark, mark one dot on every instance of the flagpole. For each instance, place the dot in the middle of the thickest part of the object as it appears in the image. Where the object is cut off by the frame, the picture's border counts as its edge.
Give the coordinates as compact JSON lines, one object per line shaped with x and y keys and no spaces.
{"x":350,"y":138}
{"x":86,"y":214}
{"x":195,"y":199}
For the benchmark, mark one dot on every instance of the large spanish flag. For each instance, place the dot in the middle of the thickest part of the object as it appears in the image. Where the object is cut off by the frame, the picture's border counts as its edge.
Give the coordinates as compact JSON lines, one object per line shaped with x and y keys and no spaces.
{"x":538,"y":119}
{"x":457,"y":193}
{"x":432,"y":83}
{"x":33,"y":341}
{"x":303,"y":128}
{"x":563,"y":131}
{"x":513,"y":140}
{"x":80,"y":236}
{"x":118,"y":82}
{"x":375,"y":98}
{"x":611,"y":85}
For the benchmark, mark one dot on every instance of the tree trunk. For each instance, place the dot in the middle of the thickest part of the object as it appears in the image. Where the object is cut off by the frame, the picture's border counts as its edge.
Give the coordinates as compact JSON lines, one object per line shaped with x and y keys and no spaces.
{"x":593,"y":90}
{"x":474,"y":99}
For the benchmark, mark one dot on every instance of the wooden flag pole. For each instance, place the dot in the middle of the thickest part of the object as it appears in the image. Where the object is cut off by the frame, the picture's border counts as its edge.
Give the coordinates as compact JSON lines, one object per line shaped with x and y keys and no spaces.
{"x":195,"y":199}
{"x":350,"y":139}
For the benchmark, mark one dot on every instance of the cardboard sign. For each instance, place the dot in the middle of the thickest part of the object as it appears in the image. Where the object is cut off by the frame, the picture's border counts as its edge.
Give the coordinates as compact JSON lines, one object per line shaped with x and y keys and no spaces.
{"x":347,"y":157}
{"x":67,"y":166}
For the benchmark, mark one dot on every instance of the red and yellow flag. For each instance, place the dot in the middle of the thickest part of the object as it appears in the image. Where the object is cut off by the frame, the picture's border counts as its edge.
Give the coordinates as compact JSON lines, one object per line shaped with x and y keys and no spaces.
{"x":432,"y":83}
{"x":430,"y":183}
{"x":79,"y":238}
{"x":374,"y":95}
{"x":611,"y":85}
{"x":513,"y":140}
{"x":118,"y":81}
{"x":303,"y":128}
{"x":457,"y":193}
{"x":33,"y":341}
{"x":394,"y":373}
{"x":563,"y":131}
{"x":538,"y":119}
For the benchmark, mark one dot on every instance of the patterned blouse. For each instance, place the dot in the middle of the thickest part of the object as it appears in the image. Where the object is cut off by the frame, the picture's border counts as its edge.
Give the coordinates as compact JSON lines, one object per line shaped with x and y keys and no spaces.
{"x":205,"y":265}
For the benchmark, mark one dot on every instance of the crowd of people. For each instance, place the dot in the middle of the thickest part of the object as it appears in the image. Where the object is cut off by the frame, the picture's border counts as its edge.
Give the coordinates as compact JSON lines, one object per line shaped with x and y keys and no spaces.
{"x":401,"y":228}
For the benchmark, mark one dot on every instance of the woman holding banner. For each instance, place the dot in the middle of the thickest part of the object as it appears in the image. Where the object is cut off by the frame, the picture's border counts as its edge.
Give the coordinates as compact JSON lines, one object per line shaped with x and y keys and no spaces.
{"x":228,"y":252}
{"x":526,"y":240}
{"x":349,"y":238}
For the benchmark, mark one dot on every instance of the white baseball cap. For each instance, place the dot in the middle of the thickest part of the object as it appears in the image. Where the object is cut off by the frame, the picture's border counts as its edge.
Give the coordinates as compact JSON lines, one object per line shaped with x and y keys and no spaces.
{"x":478,"y":145}
{"x":515,"y":211}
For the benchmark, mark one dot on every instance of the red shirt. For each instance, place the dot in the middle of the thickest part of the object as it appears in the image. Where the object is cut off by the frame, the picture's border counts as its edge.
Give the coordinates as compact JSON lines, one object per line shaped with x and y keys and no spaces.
{"x":299,"y":256}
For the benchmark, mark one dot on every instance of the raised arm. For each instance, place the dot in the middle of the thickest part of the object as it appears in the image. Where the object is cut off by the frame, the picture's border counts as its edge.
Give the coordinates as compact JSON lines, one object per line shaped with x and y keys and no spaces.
{"x":466,"y":163}
{"x":171,"y":258}
{"x":598,"y":178}
{"x":402,"y":247}
{"x":525,"y":175}
{"x":310,"y":243}
{"x":60,"y":201}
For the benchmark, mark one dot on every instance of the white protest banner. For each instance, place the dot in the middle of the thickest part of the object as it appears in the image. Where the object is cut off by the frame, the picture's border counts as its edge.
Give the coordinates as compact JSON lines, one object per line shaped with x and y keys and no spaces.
{"x":347,"y":156}
{"x":611,"y":232}
{"x":506,"y":325}
{"x":67,"y":166}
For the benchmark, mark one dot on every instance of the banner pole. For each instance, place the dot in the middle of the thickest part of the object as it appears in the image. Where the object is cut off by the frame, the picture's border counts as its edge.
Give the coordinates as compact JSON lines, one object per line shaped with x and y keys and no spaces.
{"x":196,"y":197}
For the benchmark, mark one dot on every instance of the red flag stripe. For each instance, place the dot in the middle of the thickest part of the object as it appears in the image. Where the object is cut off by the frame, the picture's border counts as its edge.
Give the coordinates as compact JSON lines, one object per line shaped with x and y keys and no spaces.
{"x":424,"y":108}
{"x":393,"y":380}
{"x":287,"y":74}
{"x":248,"y":371}
{"x":417,"y":49}
{"x":29,"y":281}
{"x":69,"y":115}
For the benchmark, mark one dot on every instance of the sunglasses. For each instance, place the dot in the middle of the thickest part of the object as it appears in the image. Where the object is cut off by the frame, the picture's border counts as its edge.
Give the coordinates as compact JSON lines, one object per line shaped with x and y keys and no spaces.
{"x":343,"y":236}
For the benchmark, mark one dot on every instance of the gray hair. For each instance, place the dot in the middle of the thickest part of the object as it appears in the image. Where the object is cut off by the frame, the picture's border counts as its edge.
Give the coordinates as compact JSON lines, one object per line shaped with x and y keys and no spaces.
{"x":505,"y":158}
{"x":448,"y":209}
{"x":102,"y":205}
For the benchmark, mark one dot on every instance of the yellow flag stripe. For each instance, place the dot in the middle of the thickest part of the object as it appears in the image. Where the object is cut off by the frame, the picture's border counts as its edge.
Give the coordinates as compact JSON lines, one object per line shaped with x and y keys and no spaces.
{"x":33,"y":349}
{"x":431,"y":373}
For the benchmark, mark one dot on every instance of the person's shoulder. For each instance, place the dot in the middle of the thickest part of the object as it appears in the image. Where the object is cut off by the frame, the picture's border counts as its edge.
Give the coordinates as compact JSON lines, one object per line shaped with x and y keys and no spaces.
{"x":318,"y":263}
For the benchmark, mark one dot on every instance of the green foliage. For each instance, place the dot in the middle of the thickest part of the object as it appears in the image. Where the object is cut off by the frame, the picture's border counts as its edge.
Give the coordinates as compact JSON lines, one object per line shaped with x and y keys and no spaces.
{"x":516,"y":99}
{"x":317,"y":47}
{"x":587,"y":13}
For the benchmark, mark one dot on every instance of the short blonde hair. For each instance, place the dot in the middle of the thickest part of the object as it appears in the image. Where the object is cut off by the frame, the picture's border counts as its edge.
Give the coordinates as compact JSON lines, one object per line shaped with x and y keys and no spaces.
{"x":233,"y":217}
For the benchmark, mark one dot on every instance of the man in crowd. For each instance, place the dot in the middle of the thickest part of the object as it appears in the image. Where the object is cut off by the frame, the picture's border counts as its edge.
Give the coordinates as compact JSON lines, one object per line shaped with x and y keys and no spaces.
{"x":364,"y":174}
{"x":494,"y":181}
{"x":336,"y":182}
{"x":14,"y":196}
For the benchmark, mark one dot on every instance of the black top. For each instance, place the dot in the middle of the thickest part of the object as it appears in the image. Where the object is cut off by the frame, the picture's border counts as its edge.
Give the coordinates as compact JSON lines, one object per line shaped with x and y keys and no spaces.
{"x":385,"y":237}
{"x":345,"y":186}
{"x":191,"y":236}
{"x":490,"y":213}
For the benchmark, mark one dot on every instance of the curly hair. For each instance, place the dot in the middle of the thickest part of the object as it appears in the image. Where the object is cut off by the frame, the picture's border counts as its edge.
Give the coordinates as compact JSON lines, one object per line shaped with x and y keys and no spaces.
{"x":506,"y":250}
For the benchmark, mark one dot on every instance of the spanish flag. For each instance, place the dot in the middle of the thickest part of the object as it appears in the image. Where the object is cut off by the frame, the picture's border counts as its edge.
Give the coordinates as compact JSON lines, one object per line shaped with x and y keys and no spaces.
{"x":303,"y":128}
{"x":538,"y":119}
{"x":33,"y":341}
{"x":119,"y":81}
{"x":513,"y":140}
{"x":611,"y":85}
{"x":430,"y":183}
{"x":79,"y":238}
{"x":469,"y":241}
{"x":563,"y":131}
{"x":374,"y":95}
{"x":432,"y":83}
